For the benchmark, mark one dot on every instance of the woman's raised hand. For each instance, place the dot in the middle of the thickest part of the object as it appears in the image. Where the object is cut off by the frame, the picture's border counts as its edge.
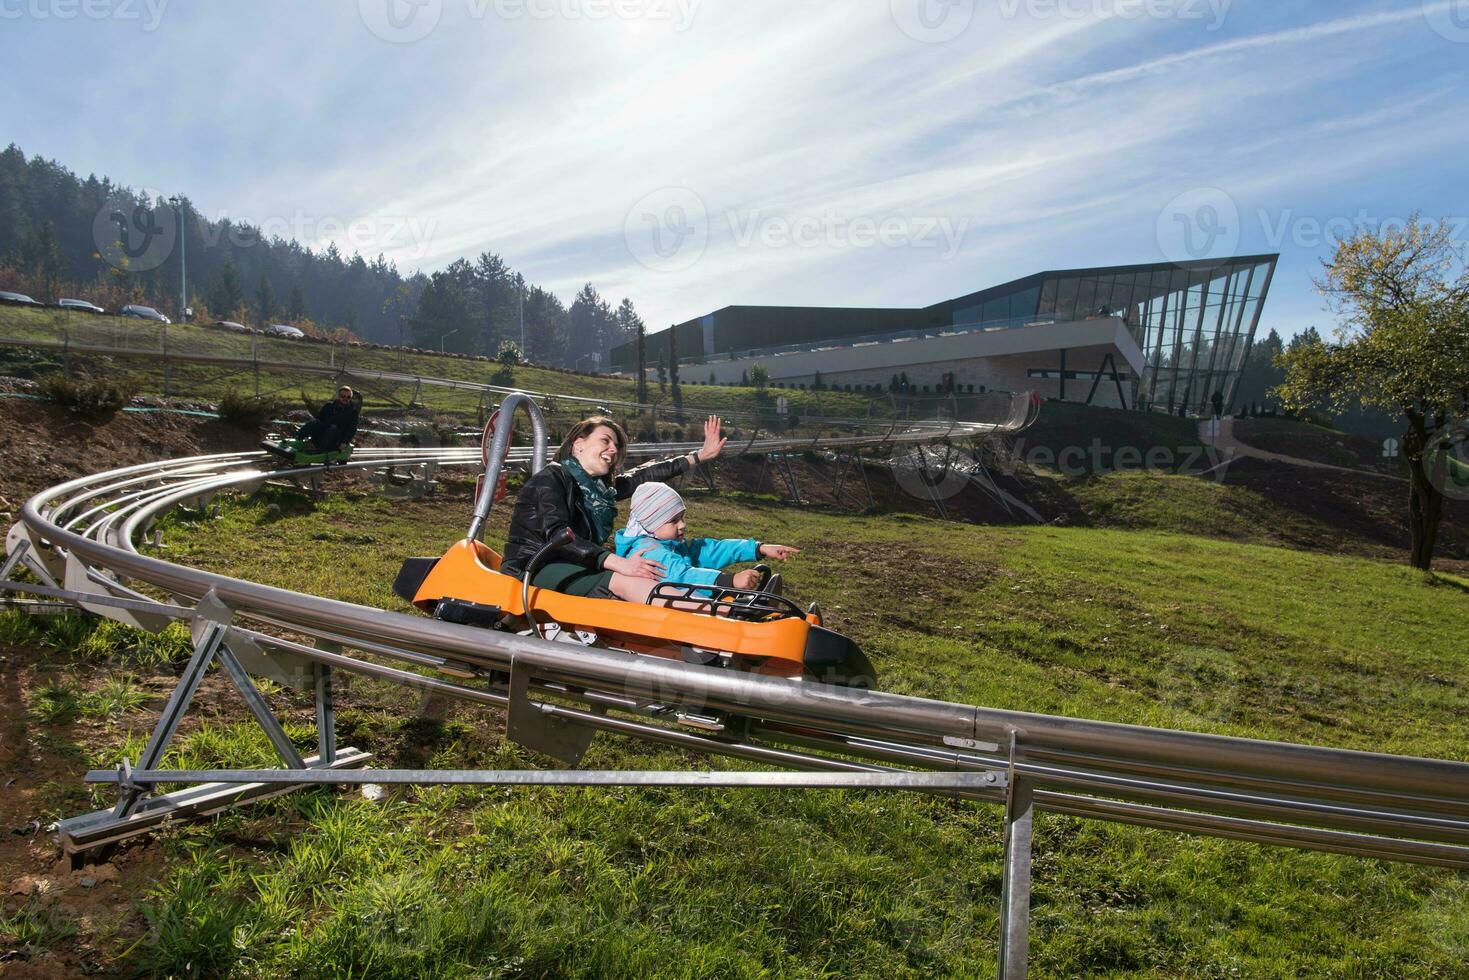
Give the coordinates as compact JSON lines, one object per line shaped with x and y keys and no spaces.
{"x":713,"y":442}
{"x":635,"y":567}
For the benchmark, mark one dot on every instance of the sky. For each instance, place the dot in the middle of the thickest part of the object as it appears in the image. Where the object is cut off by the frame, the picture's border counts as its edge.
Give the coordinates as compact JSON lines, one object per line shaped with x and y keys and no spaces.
{"x":694,"y":154}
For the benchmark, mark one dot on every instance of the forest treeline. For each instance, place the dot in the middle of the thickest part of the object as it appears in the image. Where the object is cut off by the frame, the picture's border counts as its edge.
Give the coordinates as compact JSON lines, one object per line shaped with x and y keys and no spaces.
{"x":92,"y":239}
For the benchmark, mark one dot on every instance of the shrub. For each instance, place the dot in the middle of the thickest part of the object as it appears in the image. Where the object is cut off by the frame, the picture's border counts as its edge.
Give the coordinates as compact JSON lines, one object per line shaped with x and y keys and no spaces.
{"x":91,"y":397}
{"x":509,"y":353}
{"x":248,"y":411}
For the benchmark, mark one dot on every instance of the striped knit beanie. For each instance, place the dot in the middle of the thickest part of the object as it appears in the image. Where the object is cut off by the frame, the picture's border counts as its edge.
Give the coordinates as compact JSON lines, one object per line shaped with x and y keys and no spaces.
{"x":653,"y":505}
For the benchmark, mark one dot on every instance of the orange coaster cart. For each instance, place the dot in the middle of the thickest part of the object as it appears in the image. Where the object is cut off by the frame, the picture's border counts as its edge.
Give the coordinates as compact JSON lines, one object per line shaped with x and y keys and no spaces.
{"x":741,"y":629}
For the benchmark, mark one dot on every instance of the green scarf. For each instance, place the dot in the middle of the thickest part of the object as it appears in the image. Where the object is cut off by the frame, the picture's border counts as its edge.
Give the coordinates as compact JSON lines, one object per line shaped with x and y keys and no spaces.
{"x":598,"y":500}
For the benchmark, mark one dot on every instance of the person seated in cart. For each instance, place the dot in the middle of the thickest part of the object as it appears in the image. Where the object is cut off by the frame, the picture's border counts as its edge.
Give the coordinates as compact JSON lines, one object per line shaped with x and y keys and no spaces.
{"x":335,"y":424}
{"x":656,"y":530}
{"x":580,"y":491}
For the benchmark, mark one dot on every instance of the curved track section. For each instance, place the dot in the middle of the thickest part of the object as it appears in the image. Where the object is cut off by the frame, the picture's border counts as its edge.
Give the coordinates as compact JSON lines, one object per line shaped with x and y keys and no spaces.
{"x":81,"y":539}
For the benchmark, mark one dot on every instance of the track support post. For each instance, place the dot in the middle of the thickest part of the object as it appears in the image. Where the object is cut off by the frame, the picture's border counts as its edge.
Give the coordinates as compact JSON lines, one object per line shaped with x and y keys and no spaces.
{"x":326,"y":711}
{"x":209,"y":641}
{"x":1015,"y":893}
{"x":789,"y":474}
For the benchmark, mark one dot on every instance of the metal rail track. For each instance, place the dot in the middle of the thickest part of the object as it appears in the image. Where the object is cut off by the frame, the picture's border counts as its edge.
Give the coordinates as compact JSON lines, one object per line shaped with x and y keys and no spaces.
{"x":80,"y":541}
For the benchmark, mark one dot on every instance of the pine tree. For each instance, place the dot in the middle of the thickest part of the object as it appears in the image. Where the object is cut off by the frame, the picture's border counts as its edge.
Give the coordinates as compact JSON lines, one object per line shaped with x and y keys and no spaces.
{"x":224,"y":292}
{"x":296,"y":305}
{"x":265,"y":301}
{"x":642,"y":358}
{"x":46,"y":260}
{"x":443,"y":320}
{"x":673,"y":367}
{"x":590,"y":324}
{"x":545,"y":328}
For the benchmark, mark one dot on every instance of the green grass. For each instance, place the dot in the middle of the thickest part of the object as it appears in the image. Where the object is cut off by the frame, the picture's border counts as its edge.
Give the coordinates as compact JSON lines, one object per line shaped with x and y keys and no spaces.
{"x":1144,"y":626}
{"x":60,"y":702}
{"x":35,"y":925}
{"x":89,"y":639}
{"x":57,"y":703}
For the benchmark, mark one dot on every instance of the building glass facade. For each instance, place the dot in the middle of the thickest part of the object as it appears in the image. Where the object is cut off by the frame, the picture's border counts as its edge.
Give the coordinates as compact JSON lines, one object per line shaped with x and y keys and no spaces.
{"x":1194,"y":322}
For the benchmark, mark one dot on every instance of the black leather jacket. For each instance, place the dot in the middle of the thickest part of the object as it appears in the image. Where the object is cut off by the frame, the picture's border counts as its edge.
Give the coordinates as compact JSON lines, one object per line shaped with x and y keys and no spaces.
{"x":548,"y":502}
{"x":344,"y":417}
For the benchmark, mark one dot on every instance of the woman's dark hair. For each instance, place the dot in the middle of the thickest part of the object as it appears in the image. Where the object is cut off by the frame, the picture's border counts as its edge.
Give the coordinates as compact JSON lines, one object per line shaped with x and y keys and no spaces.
{"x":585,"y":428}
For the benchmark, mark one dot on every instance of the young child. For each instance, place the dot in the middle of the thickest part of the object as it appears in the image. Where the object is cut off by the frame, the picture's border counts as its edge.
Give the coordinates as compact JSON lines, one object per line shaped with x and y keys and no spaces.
{"x":655,"y":531}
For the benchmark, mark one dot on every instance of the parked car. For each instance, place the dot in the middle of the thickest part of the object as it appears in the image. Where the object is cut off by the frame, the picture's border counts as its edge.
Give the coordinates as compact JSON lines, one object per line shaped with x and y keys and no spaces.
{"x":18,"y":298}
{"x":284,"y":330}
{"x":143,"y":313}
{"x":233,"y":326}
{"x":79,"y":304}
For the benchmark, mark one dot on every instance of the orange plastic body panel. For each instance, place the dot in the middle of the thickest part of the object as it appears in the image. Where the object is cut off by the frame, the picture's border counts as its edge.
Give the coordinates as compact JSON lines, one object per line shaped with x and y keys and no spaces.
{"x":469,"y":571}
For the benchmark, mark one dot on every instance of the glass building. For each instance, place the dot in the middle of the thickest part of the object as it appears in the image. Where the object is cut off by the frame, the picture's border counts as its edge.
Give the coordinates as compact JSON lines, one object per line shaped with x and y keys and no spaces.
{"x":1194,"y":322}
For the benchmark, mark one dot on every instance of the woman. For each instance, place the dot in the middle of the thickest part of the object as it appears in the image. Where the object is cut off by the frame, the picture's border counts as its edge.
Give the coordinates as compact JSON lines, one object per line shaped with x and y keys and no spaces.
{"x":580,"y":490}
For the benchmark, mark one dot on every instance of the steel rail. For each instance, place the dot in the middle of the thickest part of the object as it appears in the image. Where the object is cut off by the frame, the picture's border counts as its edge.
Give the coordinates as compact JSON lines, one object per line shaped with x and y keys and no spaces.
{"x":1122,"y":746}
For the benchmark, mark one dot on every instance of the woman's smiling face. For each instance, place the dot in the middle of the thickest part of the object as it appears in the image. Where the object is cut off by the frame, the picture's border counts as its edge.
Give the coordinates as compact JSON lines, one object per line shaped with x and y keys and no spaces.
{"x":596,"y":451}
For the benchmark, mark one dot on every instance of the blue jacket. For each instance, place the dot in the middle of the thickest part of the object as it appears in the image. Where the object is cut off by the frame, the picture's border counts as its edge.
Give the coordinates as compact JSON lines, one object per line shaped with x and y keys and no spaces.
{"x":693,"y":561}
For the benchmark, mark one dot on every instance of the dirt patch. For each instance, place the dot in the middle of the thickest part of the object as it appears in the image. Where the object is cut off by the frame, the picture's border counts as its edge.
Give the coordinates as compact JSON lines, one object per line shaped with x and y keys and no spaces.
{"x":42,"y":445}
{"x":1358,"y":513}
{"x":930,"y":583}
{"x":42,"y":769}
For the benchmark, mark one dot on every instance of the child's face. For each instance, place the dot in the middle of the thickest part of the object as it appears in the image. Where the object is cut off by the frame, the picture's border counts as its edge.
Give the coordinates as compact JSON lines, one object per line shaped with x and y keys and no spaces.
{"x":673,"y":530}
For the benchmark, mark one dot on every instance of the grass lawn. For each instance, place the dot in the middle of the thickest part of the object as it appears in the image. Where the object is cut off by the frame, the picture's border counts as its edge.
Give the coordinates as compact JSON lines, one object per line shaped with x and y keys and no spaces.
{"x":1142,"y":626}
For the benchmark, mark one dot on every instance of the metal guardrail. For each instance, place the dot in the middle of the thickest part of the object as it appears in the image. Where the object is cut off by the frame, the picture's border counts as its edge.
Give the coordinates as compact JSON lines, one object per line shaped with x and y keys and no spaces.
{"x":79,"y":540}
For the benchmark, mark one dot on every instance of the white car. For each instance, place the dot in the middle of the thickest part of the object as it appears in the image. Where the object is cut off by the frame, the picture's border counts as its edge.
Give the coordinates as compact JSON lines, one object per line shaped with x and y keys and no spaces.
{"x":284,"y":330}
{"x":143,"y":313}
{"x":231,"y":325}
{"x":79,"y":304}
{"x":17,"y":298}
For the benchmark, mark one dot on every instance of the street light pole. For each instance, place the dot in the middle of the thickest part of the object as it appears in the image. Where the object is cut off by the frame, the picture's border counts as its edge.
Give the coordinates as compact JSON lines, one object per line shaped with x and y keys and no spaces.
{"x":520,"y":292}
{"x":445,"y":338}
{"x":178,"y":204}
